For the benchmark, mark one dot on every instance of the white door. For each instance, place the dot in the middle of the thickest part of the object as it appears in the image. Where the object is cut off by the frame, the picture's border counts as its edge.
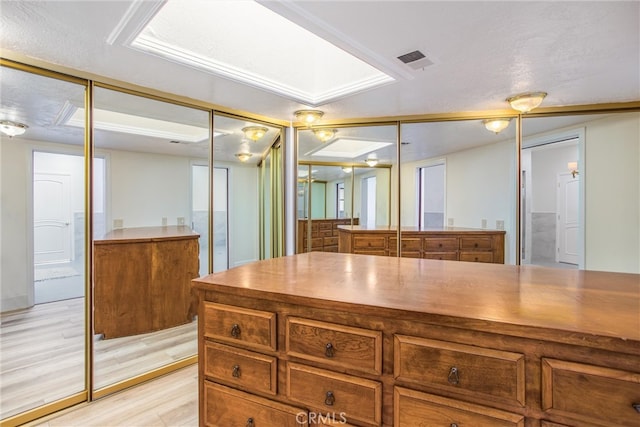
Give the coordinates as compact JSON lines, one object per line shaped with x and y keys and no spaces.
{"x":567,"y":224}
{"x":52,"y":218}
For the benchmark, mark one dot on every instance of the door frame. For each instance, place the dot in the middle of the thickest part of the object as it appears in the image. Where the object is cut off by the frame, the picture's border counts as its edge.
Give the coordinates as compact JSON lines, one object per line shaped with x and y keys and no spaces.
{"x":558,"y":137}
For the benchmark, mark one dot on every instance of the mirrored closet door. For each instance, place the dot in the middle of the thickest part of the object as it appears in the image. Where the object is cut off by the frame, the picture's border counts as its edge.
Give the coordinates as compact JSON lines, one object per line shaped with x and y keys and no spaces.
{"x":42,"y":213}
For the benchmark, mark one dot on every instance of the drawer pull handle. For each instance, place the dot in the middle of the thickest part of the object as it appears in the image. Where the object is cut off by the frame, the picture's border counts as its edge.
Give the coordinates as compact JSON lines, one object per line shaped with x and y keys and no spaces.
{"x":636,"y":406}
{"x":250,"y":422}
{"x":454,"y":425}
{"x":475,"y":245}
{"x":454,"y":376}
{"x":236,"y":371}
{"x":235,"y":331}
{"x":330,"y":399}
{"x":329,"y":350}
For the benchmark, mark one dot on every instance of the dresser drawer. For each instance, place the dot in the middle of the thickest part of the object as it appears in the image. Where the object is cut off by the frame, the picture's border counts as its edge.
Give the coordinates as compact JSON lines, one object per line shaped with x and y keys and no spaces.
{"x":328,"y":241}
{"x":587,"y":392}
{"x":369,"y":242}
{"x":358,"y":399}
{"x":476,"y":243}
{"x":468,"y":369}
{"x":237,"y":325}
{"x":476,"y":256}
{"x":440,"y":244}
{"x":448,"y":256}
{"x":335,"y":345}
{"x":409,"y":244}
{"x":252,"y":371}
{"x":226,"y":407}
{"x":412,"y":408}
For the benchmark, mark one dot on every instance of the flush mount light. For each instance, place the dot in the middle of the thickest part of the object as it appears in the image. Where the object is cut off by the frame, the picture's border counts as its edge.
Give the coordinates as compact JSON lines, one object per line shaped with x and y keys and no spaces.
{"x":371,"y":161}
{"x":243,"y":157}
{"x":308,"y":116}
{"x":526,"y":102}
{"x":254,"y":133}
{"x":12,"y":128}
{"x":496,"y":125}
{"x":347,"y":169}
{"x":324,"y":134}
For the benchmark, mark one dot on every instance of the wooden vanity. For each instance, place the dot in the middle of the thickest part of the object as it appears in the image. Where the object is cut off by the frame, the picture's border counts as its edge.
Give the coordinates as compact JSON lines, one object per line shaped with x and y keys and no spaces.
{"x":346,"y":339}
{"x":445,"y":243}
{"x":142,"y":279}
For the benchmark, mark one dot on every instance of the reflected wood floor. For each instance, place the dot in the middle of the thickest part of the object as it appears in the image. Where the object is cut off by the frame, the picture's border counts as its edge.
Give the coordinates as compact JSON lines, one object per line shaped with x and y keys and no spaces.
{"x":171,"y":400}
{"x":42,"y":354}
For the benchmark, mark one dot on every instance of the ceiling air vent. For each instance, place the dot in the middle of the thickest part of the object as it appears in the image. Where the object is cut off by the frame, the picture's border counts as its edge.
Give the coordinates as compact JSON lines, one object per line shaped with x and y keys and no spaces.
{"x":416,"y":60}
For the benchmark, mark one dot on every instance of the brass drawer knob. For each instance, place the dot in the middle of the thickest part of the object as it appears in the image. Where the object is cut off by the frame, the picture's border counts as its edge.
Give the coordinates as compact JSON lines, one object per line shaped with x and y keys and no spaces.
{"x":236,"y":371}
{"x":330,"y":399}
{"x":454,"y":376}
{"x":329,"y":350}
{"x":235,"y":331}
{"x":250,"y":422}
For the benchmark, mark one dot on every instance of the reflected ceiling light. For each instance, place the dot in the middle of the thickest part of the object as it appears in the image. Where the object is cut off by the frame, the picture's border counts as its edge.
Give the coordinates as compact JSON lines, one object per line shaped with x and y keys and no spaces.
{"x":371,"y":161}
{"x":324,"y":134}
{"x":308,"y":116}
{"x":12,"y":128}
{"x":347,"y":169}
{"x":526,"y":102}
{"x":243,"y":157}
{"x":254,"y":133}
{"x":496,"y":125}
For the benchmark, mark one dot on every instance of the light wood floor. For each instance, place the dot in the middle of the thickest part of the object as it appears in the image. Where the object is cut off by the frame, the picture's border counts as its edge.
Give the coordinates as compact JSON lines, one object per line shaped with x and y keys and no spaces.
{"x":42,"y":354}
{"x":171,"y":400}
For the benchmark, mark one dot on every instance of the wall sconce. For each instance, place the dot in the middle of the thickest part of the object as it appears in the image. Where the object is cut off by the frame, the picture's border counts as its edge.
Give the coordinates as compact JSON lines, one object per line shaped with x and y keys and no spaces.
{"x":324,"y":134}
{"x":243,"y":157}
{"x":12,"y":128}
{"x":526,"y":102}
{"x":371,"y":161}
{"x":308,"y":116}
{"x":573,"y":168}
{"x":496,"y":125}
{"x":254,"y":133}
{"x":347,"y":169}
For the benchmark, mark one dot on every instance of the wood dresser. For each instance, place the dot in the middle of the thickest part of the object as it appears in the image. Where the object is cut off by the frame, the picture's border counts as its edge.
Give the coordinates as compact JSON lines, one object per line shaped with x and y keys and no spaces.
{"x":446,"y":243}
{"x":142,"y":279}
{"x":344,"y":339}
{"x":324,"y":234}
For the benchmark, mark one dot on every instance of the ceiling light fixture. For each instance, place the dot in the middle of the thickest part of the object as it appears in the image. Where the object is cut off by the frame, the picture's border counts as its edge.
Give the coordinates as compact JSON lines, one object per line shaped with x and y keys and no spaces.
{"x":347,"y":169}
{"x":254,"y":133}
{"x":371,"y":161}
{"x":324,"y":134}
{"x":496,"y":125}
{"x":526,"y":102}
{"x":308,"y":116}
{"x":243,"y":157}
{"x":12,"y":128}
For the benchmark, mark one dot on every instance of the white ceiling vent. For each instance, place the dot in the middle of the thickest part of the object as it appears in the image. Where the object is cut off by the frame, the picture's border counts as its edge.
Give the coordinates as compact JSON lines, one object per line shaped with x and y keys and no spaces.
{"x":416,"y":60}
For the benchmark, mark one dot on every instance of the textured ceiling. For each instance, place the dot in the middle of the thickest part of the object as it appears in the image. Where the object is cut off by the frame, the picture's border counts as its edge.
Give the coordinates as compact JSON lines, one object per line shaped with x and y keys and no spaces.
{"x":579,"y":52}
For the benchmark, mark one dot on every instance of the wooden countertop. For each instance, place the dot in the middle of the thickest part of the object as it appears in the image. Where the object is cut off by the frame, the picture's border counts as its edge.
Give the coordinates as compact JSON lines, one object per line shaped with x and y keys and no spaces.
{"x":147,"y":234}
{"x":572,"y":306}
{"x":443,"y":230}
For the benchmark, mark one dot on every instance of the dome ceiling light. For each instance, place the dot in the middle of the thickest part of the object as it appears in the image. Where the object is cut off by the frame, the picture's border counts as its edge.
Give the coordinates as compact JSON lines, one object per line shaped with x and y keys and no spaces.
{"x":254,"y":133}
{"x":526,"y":102}
{"x":308,"y":116}
{"x":12,"y":128}
{"x":496,"y":125}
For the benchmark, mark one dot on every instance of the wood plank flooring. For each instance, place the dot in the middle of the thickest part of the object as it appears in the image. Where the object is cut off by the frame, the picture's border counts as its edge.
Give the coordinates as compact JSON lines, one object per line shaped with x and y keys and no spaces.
{"x":42,"y":354}
{"x":171,"y":400}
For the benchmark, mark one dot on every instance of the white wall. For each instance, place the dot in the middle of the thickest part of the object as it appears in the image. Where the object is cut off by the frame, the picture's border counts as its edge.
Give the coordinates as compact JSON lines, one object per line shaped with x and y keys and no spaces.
{"x":243,"y":213}
{"x":15,"y":252}
{"x":546,"y":164}
{"x":612,"y":180}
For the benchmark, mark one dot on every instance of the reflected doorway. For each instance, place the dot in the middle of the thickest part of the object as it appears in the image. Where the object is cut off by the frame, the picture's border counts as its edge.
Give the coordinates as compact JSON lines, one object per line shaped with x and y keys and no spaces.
{"x":58,"y":224}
